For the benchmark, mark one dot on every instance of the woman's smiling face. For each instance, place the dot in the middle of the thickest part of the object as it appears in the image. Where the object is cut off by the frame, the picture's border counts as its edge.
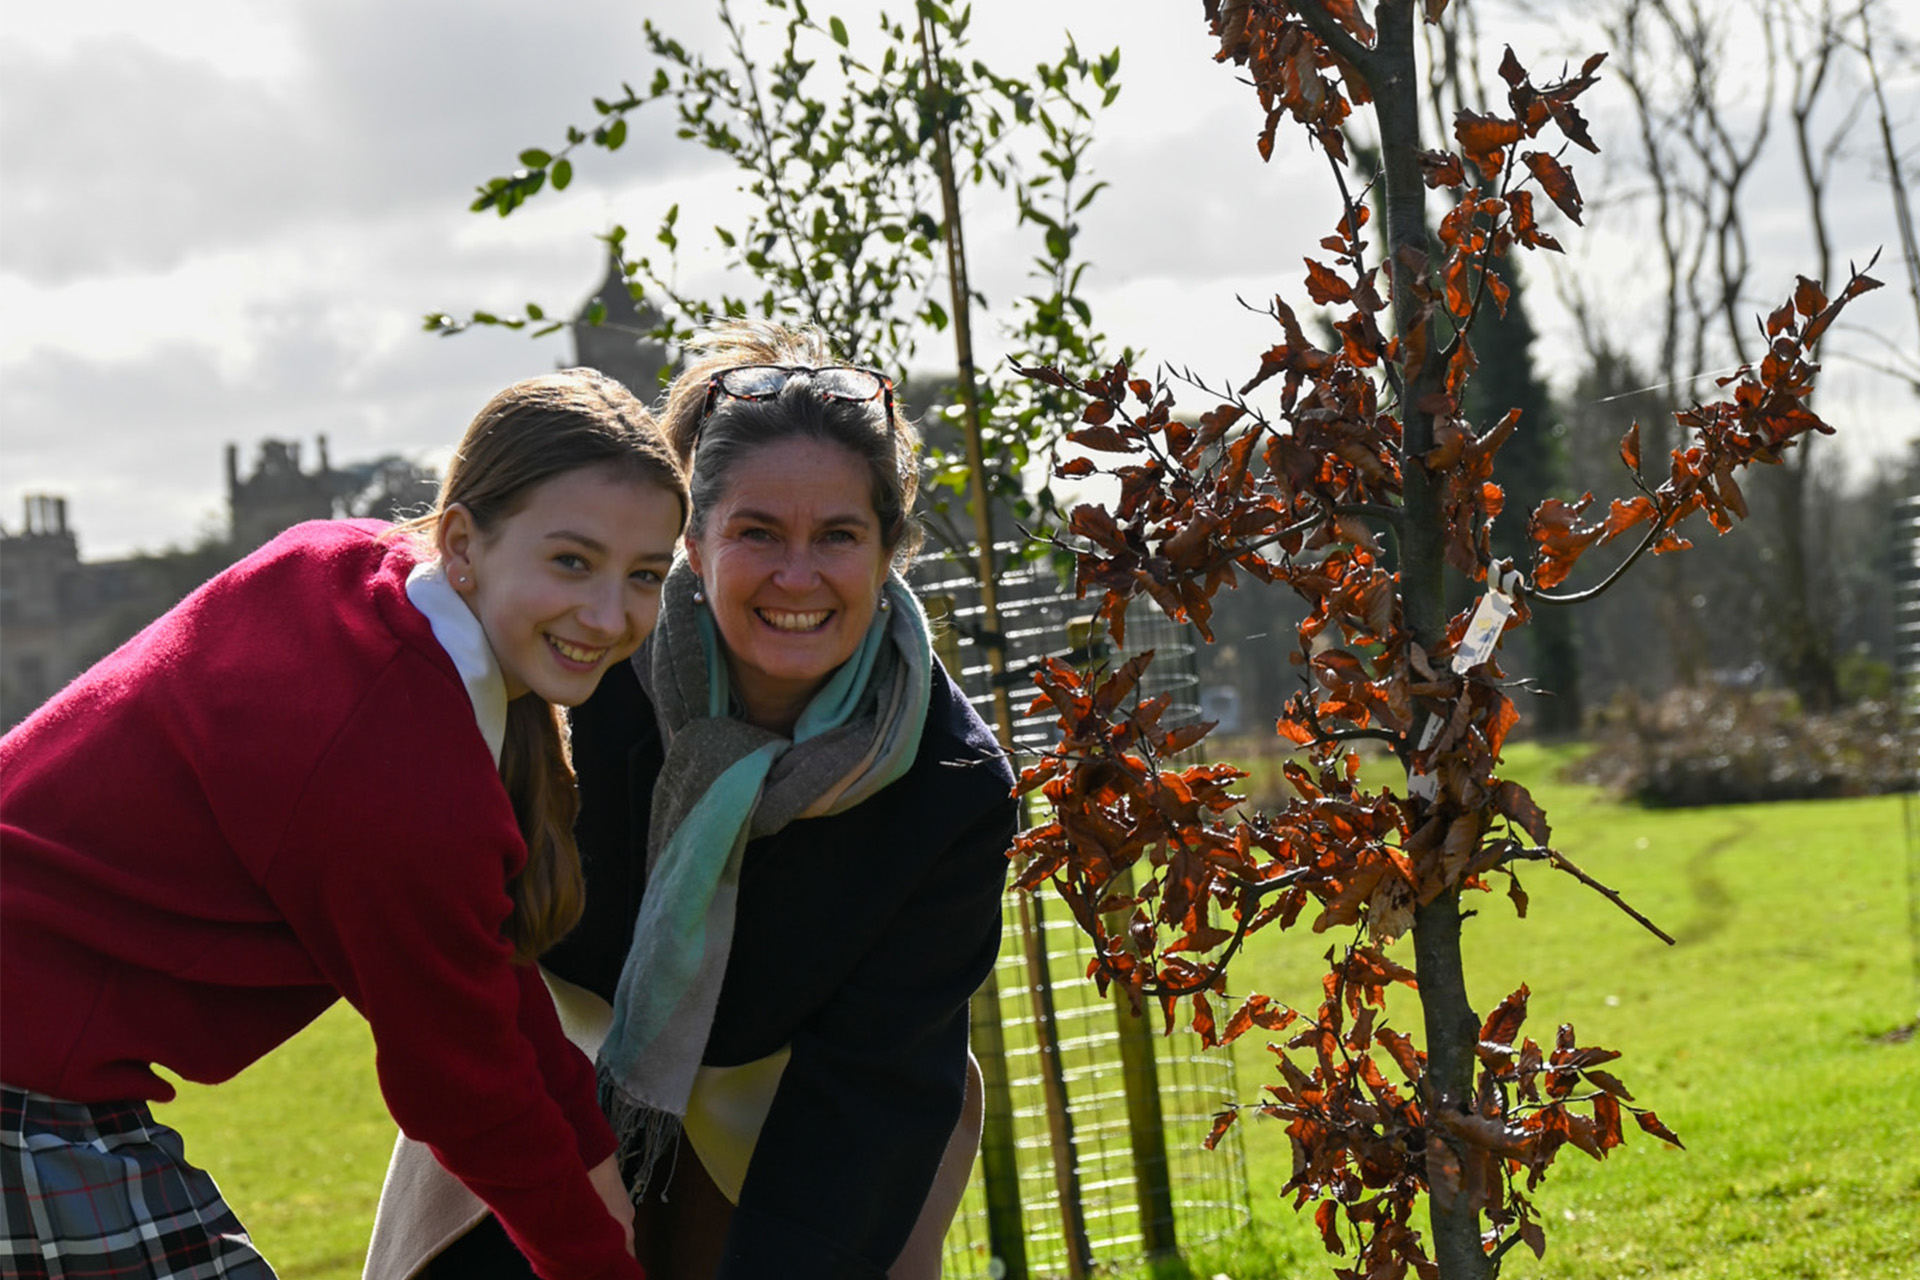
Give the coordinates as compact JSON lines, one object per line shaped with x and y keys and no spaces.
{"x":792,"y":563}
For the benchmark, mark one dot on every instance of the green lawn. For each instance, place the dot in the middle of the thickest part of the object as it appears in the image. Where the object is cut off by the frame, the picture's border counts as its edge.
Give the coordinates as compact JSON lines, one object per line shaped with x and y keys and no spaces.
{"x":1755,"y":1038}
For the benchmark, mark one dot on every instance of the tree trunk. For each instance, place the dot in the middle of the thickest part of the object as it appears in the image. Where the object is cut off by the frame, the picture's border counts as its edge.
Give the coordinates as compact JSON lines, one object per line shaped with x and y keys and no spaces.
{"x":1450,"y":1024}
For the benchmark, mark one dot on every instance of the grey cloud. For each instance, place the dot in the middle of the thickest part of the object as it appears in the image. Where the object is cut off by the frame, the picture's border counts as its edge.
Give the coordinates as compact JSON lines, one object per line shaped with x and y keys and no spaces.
{"x":120,"y":158}
{"x":123,"y":159}
{"x":155,"y":428}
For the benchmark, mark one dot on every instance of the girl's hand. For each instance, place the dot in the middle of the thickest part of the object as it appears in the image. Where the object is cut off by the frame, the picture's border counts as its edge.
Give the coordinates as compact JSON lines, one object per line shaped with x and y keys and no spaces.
{"x":605,"y":1177}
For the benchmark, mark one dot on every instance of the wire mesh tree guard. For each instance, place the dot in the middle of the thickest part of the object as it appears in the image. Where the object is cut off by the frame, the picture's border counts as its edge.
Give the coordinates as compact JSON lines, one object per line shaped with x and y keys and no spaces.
{"x":1091,"y":1153}
{"x":1906,"y":639}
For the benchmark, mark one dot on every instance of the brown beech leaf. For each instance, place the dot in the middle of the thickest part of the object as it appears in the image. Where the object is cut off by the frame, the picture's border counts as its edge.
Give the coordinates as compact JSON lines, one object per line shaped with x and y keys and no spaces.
{"x":1408,"y":1058}
{"x":1505,"y":1021}
{"x":1808,"y":298}
{"x":1221,"y":1123}
{"x":1326,"y":1217}
{"x":1606,"y":1121}
{"x":1607,"y":1081}
{"x":1557,"y":181}
{"x":1559,"y":539}
{"x":1103,"y":439}
{"x":1482,"y":137}
{"x":1257,"y":1011}
{"x":1325,"y":287}
{"x":1513,"y":801}
{"x":1651,"y":1123}
{"x":1348,"y":14}
{"x":1630,"y":448}
{"x":1442,"y":169}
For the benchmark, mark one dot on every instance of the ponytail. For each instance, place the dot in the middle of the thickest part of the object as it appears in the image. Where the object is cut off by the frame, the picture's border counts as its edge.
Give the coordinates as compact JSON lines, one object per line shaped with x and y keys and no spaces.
{"x":537,"y":770}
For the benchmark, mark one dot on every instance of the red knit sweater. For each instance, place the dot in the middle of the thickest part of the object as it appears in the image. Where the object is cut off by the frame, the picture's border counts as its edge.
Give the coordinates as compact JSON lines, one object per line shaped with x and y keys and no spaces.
{"x":274,"y":796}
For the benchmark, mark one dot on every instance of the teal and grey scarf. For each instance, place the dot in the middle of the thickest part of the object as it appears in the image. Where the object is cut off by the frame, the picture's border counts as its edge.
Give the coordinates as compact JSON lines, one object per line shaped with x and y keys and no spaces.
{"x":725,"y":782}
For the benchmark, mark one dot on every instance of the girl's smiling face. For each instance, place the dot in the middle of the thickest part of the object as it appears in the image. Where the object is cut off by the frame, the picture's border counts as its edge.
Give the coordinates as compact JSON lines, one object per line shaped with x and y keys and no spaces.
{"x":792,"y":563}
{"x":569,"y":584}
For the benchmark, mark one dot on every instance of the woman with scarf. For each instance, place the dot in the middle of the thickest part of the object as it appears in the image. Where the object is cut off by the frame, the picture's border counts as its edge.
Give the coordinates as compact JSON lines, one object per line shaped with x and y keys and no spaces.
{"x":794,"y":829}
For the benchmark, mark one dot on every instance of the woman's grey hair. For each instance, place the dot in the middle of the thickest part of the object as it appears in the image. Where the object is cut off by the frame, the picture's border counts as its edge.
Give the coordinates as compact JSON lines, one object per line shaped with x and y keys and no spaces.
{"x":739,"y":428}
{"x":886,"y":445}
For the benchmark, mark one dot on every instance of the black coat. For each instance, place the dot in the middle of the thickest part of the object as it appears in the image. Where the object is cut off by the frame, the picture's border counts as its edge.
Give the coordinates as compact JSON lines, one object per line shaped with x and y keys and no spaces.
{"x":858,"y":940}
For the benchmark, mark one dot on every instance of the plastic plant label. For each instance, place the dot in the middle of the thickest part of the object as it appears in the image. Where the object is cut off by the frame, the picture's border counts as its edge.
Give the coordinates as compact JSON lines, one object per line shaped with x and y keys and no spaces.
{"x":1483,"y":631}
{"x":1425,"y":786}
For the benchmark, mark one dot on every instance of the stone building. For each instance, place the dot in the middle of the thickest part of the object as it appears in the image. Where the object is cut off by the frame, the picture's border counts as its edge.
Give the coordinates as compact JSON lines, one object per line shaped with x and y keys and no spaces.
{"x":60,"y":614}
{"x":279,"y":495}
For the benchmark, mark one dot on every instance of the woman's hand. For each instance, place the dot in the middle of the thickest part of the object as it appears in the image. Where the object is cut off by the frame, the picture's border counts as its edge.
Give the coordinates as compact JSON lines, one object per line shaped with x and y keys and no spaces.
{"x":605,"y":1177}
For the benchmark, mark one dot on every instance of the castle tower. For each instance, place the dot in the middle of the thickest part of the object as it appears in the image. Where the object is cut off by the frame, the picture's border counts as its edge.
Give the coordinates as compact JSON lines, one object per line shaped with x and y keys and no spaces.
{"x":618,"y":346}
{"x":36,"y":566}
{"x":279,"y":495}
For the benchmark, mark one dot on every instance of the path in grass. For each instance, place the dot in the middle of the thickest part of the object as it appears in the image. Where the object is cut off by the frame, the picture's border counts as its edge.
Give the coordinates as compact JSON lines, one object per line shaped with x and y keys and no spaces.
{"x":1754,"y":1038}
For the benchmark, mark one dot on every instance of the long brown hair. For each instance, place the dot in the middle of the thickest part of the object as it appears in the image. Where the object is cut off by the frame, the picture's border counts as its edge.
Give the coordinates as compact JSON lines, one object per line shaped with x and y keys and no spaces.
{"x":528,"y":434}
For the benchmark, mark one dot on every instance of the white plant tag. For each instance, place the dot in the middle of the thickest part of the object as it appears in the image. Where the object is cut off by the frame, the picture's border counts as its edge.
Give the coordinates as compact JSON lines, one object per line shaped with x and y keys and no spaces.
{"x":1424,"y":785}
{"x":1483,"y":631}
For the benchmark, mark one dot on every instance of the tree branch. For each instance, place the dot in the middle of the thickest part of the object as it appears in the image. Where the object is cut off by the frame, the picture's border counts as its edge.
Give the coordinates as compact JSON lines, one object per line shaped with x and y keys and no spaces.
{"x":1386,"y":512}
{"x":1554,"y":858}
{"x":1335,"y":37}
{"x":1660,"y":527}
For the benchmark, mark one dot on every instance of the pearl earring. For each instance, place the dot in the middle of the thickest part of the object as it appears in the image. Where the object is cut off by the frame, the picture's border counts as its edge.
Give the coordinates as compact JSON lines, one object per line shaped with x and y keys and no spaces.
{"x":886,"y":605}
{"x":699,"y":595}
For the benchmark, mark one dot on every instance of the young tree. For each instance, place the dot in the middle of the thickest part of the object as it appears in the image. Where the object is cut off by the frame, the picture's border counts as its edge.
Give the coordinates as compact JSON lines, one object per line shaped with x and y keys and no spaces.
{"x":1352,"y":458}
{"x":857,"y":171}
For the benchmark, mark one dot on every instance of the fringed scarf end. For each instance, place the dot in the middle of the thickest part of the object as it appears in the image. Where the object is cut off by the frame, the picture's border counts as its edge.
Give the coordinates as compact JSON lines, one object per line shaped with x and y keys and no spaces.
{"x":646,"y":1135}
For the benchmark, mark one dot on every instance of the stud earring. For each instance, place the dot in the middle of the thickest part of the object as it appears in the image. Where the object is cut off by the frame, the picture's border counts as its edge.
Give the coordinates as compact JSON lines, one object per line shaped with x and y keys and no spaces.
{"x":699,"y":595}
{"x":886,"y":605}
{"x":460,"y":580}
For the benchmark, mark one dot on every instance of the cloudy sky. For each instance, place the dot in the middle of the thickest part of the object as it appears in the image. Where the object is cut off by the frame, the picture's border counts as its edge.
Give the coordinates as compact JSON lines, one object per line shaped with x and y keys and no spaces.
{"x":223,"y":219}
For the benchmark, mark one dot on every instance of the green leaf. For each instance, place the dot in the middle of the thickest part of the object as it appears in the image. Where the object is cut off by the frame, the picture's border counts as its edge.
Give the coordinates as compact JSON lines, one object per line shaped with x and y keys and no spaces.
{"x":616,"y":135}
{"x":535,"y":158}
{"x":534,"y":312}
{"x":562,"y":173}
{"x":838,"y":29}
{"x":596,"y":312}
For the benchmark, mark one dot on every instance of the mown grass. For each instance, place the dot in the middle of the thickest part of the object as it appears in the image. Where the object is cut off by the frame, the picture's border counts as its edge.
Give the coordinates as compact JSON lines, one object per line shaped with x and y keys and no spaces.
{"x":1756,"y":1038}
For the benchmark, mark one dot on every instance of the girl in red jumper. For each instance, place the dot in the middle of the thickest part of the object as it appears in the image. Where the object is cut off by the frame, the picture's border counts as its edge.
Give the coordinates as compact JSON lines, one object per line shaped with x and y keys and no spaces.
{"x":337,"y":769}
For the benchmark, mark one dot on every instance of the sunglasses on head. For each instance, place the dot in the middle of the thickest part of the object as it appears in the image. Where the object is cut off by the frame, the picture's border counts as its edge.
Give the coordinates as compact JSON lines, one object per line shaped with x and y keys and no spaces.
{"x":850,"y":383}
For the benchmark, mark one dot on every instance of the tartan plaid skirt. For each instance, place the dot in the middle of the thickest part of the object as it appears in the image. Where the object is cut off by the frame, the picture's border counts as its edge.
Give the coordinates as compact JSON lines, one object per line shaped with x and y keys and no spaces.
{"x":103,"y":1191}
